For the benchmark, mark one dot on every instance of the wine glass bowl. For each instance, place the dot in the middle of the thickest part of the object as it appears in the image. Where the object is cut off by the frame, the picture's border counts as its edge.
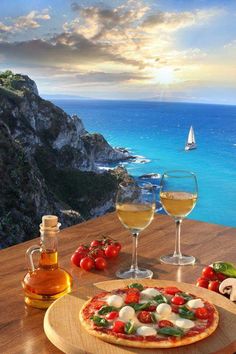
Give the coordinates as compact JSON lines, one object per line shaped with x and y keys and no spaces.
{"x":178,"y":195}
{"x":135,"y":206}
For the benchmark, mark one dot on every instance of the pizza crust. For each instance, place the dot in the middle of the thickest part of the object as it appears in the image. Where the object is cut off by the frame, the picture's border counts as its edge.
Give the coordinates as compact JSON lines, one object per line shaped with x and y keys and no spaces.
{"x":149,"y":344}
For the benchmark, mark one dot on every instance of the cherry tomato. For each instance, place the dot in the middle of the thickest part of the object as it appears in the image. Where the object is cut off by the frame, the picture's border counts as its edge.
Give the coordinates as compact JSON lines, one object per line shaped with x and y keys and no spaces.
{"x":112,"y":315}
{"x":202,"y":313}
{"x":96,"y":243}
{"x":132,"y":295}
{"x":106,"y":241}
{"x":214,"y":285}
{"x":178,"y":300}
{"x":100,"y":263}
{"x":82,"y":249}
{"x":111,"y":251}
{"x":96,"y":252}
{"x":202,"y":282}
{"x":87,"y":263}
{"x":221,"y":276}
{"x":172,"y":290}
{"x":145,"y":317}
{"x":118,"y":327}
{"x":76,"y":258}
{"x":117,"y":245}
{"x":151,"y":308}
{"x":165,"y":323}
{"x":209,"y":273}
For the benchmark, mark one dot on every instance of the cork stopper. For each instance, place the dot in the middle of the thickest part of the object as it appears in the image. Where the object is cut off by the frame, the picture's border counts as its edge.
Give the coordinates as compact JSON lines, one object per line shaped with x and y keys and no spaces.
{"x":50,"y":223}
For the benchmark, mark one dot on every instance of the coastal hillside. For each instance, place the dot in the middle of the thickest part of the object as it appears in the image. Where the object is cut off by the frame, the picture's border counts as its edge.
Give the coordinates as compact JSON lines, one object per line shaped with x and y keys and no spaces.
{"x":48,"y":163}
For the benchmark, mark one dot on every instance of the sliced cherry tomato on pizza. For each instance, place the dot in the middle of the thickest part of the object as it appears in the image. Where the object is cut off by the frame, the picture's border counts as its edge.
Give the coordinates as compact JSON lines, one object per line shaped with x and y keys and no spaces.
{"x":119,"y":327}
{"x":202,"y":313}
{"x":151,"y":308}
{"x":145,"y":317}
{"x":165,"y":323}
{"x":209,"y":273}
{"x":172,"y":290}
{"x":178,"y":300}
{"x":202,"y":282}
{"x":98,"y":304}
{"x":112,"y":315}
{"x":132,"y":296}
{"x":214,"y":285}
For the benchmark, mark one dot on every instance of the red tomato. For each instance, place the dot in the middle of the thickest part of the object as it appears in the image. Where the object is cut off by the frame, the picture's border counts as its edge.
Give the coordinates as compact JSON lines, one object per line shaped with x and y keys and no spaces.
{"x":178,"y":300}
{"x":112,"y":315}
{"x":111,"y":251}
{"x":82,"y":249}
{"x":151,"y":308}
{"x":203,"y":283}
{"x":96,"y":243}
{"x":76,"y":258}
{"x":202,"y":313}
{"x":117,"y":245}
{"x":165,"y":323}
{"x":145,"y":317}
{"x":96,"y":252}
{"x":209,"y":273}
{"x":214,"y":285}
{"x":87,"y":263}
{"x":132,"y":295}
{"x":100,"y":263}
{"x":172,"y":290}
{"x":118,"y":327}
{"x":98,"y":304}
{"x":221,"y":276}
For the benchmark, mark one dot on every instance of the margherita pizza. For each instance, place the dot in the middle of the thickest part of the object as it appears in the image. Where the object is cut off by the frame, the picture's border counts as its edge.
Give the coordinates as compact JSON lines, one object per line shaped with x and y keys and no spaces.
{"x":149,"y":317}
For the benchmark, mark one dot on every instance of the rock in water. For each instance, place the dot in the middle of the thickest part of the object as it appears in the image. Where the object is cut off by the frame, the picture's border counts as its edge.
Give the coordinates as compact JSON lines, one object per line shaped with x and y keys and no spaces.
{"x":48,"y":163}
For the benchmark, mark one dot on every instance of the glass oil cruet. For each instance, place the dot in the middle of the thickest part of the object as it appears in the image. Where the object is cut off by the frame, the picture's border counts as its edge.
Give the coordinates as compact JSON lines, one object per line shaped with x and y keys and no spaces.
{"x":46,"y":282}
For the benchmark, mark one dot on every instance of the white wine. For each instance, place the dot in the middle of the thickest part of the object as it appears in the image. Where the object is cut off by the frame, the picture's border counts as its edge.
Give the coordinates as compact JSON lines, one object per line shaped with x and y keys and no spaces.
{"x":135,"y":216}
{"x":178,"y":204}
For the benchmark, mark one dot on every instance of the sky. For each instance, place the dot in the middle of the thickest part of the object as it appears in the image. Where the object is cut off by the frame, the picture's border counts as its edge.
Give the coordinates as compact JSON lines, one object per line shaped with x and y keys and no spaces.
{"x":134,"y":49}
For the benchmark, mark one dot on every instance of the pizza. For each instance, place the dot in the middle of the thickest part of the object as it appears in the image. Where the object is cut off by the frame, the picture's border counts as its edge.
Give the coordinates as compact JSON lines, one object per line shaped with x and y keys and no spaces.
{"x":149,"y":317}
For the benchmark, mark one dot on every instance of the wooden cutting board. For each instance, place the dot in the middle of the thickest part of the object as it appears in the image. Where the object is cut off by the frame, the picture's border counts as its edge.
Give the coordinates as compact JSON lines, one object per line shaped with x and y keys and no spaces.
{"x":62,"y":325}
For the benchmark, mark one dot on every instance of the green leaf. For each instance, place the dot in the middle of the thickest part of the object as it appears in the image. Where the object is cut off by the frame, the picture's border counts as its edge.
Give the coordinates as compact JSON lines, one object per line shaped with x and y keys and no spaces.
{"x":129,"y":328}
{"x":184,"y":312}
{"x":106,"y":309}
{"x":187,"y":297}
{"x":99,"y":321}
{"x":153,"y":317}
{"x":137,"y":286}
{"x":225,"y":268}
{"x":160,"y":299}
{"x":171,"y":331}
{"x":139,"y":307}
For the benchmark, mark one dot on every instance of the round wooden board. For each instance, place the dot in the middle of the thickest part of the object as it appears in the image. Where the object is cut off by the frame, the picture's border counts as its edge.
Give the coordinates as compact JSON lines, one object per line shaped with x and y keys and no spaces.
{"x":63,"y":328}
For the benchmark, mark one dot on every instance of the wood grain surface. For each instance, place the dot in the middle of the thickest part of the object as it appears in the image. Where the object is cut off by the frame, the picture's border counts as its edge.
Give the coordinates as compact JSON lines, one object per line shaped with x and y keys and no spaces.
{"x":72,"y":338}
{"x":21,"y":328}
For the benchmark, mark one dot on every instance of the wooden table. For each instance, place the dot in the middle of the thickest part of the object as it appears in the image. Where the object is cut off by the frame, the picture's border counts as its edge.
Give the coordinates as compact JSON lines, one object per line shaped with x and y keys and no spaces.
{"x":21,"y":328}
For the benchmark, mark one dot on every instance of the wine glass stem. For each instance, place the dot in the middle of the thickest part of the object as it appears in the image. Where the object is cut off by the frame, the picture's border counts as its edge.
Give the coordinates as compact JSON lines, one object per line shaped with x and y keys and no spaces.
{"x":134,"y":265}
{"x":177,"y":252}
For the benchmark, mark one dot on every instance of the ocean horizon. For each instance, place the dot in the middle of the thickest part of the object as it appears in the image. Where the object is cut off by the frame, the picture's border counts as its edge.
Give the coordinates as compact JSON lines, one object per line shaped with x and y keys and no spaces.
{"x":156,"y":132}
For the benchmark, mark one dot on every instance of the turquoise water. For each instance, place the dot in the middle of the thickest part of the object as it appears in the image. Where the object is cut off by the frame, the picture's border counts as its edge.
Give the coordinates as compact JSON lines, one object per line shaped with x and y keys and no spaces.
{"x":158,"y":132}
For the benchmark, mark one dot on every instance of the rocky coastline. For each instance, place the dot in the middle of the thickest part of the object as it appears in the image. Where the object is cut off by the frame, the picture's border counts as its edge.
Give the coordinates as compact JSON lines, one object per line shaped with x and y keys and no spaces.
{"x":49,"y":163}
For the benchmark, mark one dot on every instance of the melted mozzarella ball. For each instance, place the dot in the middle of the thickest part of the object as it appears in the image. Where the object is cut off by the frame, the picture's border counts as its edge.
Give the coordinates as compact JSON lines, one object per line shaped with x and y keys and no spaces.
{"x":163,"y":310}
{"x":126,"y":313}
{"x":146,"y":331}
{"x":115,"y":300}
{"x":150,"y":292}
{"x":196,"y":303}
{"x":184,"y":323}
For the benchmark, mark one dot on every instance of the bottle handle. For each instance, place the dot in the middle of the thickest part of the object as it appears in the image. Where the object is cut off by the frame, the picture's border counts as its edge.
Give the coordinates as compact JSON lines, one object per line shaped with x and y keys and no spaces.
{"x":29,"y":255}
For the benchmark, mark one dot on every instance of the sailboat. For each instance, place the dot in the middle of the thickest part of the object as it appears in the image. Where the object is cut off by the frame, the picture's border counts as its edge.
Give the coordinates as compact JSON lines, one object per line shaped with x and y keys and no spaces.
{"x":191,"y":143}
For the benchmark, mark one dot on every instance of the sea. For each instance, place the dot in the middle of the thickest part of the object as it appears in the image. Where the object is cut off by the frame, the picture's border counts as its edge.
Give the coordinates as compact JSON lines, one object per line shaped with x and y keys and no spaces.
{"x":156,"y":133}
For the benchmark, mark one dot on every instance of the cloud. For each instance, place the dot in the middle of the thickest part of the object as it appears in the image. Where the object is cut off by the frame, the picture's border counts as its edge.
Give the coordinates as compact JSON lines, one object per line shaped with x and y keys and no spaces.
{"x":31,"y":20}
{"x":4,"y":28}
{"x":98,"y":77}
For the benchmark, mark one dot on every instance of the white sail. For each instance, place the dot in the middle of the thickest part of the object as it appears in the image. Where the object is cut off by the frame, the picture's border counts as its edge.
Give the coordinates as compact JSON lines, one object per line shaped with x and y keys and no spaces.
{"x":191,"y":136}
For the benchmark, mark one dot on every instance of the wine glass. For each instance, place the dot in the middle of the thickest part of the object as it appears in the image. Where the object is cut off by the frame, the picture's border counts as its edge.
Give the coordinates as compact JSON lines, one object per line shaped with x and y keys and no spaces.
{"x":135,"y":206}
{"x":178,"y":195}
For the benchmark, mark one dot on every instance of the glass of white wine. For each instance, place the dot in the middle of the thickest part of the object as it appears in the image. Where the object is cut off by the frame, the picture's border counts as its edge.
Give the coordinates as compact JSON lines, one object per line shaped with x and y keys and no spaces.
{"x":178,"y":195}
{"x":135,"y":206}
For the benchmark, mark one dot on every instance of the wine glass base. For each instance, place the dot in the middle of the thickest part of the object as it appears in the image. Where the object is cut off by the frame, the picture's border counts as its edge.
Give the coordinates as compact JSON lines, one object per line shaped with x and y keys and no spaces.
{"x":141,"y":273}
{"x":175,"y":260}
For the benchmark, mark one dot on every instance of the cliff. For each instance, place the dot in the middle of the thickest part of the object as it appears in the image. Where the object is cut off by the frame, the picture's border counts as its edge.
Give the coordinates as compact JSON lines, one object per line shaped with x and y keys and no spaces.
{"x":48,"y":163}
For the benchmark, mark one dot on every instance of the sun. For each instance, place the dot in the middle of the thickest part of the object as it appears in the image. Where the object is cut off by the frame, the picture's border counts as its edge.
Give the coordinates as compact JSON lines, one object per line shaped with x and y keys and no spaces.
{"x":165,"y":76}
